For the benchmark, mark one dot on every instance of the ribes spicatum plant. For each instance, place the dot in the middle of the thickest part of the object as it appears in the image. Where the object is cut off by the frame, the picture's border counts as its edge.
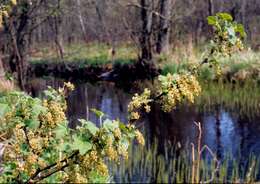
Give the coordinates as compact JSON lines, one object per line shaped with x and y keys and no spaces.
{"x":39,"y":146}
{"x":175,"y":88}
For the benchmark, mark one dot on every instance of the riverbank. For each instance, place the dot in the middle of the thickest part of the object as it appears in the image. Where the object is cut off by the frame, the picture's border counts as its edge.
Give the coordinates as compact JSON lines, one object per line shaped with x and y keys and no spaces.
{"x":94,"y":62}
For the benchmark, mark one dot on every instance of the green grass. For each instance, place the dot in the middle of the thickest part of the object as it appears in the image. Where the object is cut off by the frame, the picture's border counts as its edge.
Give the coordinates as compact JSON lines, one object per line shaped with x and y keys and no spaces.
{"x":86,"y":54}
{"x":240,"y":66}
{"x":181,"y":58}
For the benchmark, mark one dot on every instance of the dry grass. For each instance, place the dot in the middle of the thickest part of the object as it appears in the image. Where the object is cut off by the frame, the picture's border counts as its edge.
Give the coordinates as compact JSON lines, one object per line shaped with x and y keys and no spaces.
{"x":6,"y":85}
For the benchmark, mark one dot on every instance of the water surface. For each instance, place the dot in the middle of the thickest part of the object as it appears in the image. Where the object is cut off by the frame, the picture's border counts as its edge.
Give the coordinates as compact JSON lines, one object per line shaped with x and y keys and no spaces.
{"x":223,"y":131}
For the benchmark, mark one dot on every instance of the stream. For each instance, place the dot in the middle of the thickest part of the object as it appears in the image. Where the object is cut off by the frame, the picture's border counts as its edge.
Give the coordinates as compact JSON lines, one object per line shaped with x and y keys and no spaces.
{"x":223,"y":131}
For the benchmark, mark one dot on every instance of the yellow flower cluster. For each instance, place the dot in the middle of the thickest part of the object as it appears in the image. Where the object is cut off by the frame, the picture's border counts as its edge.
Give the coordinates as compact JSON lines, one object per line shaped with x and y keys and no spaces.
{"x":54,"y":115}
{"x":176,"y":87}
{"x":92,"y":162}
{"x":102,"y":168}
{"x":139,"y":137}
{"x":225,"y":46}
{"x":117,"y":133}
{"x":138,"y":102}
{"x":123,"y":152}
{"x":69,"y":85}
{"x":5,"y":9}
{"x":111,"y":153}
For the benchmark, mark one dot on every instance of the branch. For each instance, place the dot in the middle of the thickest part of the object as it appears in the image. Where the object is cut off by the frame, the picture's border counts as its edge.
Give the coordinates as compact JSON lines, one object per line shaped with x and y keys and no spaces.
{"x":152,"y":11}
{"x":37,"y":176}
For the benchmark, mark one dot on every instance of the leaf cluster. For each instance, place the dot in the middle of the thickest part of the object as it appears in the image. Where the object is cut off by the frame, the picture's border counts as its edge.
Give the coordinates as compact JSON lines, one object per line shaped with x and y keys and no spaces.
{"x":39,"y":146}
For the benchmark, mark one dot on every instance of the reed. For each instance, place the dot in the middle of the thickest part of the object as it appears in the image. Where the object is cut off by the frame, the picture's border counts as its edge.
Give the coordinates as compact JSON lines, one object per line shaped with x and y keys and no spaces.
{"x":175,"y":165}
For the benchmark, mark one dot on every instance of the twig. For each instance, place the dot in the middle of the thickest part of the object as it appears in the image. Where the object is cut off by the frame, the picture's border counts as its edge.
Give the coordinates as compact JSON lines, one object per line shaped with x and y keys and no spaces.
{"x":37,"y":176}
{"x":152,"y":11}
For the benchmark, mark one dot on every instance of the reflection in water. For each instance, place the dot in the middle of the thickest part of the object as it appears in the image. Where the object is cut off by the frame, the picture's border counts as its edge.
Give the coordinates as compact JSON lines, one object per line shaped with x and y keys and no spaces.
{"x":222,"y":131}
{"x":105,"y":97}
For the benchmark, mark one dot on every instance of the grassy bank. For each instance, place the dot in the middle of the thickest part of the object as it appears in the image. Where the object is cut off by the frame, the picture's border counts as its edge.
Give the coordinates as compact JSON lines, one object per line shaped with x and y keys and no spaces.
{"x":85,"y":54}
{"x":238,"y":67}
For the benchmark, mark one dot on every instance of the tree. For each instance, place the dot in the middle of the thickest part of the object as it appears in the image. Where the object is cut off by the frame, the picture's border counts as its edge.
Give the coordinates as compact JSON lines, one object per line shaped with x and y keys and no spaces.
{"x":146,"y":32}
{"x":55,"y":21}
{"x":81,"y":20}
{"x":154,"y":32}
{"x":162,"y":45}
{"x":4,"y":8}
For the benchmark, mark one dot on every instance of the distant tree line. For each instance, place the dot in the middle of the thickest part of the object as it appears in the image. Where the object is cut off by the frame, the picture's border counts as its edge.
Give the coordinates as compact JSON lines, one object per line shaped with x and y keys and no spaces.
{"x":153,"y":26}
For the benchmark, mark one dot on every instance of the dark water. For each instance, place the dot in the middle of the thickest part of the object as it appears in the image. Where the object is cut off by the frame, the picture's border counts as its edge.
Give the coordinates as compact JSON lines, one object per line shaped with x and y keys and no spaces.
{"x":223,"y":131}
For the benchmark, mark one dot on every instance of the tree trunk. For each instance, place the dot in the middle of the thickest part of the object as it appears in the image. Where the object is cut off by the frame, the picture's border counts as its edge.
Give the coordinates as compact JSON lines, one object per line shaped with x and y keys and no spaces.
{"x":145,"y":39}
{"x":210,"y":7}
{"x":58,"y":36}
{"x":81,"y":21}
{"x":162,"y":45}
{"x":2,"y":71}
{"x":55,"y":22}
{"x":18,"y":27}
{"x":243,"y":11}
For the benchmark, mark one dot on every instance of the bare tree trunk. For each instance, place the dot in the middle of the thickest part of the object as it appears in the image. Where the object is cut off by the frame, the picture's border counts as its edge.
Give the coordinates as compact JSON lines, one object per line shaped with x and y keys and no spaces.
{"x":19,"y":51}
{"x":55,"y":22}
{"x":162,"y":45}
{"x":58,"y":36}
{"x":2,"y":71}
{"x":108,"y":36}
{"x":18,"y":28}
{"x":211,"y":7}
{"x":145,"y":39}
{"x":243,"y":11}
{"x":81,"y":21}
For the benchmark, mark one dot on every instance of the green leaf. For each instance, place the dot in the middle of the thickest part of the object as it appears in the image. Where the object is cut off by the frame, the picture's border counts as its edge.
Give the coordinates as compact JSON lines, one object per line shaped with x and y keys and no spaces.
{"x":97,"y":112}
{"x":61,"y":130}
{"x":32,"y":123}
{"x":24,"y":149}
{"x":124,"y":143}
{"x":225,"y":16}
{"x":37,"y":108}
{"x":95,"y":177}
{"x":79,"y":143}
{"x":91,"y":127}
{"x":240,"y":29}
{"x":4,"y":108}
{"x":212,"y":20}
{"x":66,"y":146}
{"x":122,"y":126}
{"x":110,"y":125}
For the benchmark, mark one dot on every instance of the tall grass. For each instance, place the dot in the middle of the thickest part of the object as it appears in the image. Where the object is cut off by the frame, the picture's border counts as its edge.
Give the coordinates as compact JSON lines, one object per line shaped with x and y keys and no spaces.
{"x":172,"y":165}
{"x":6,"y":85}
